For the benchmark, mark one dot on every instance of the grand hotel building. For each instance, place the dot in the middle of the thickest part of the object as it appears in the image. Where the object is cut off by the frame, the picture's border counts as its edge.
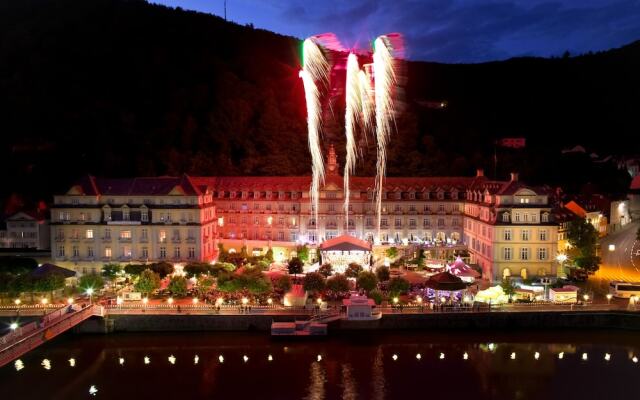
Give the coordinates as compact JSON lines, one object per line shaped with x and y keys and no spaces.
{"x":505,"y":225}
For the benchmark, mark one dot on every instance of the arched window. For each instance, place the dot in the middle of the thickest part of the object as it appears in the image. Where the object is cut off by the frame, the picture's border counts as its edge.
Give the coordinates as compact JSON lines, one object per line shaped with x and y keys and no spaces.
{"x":506,"y":273}
{"x":523,"y":273}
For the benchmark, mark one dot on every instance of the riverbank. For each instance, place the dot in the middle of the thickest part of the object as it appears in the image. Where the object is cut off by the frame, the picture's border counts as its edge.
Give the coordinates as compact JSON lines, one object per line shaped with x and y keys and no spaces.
{"x":430,"y":321}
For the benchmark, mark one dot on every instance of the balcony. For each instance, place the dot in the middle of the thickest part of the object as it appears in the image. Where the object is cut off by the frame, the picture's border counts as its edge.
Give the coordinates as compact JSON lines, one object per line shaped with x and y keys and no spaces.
{"x":190,"y":240}
{"x":331,"y":226}
{"x":143,"y":239}
{"x":59,"y":238}
{"x":176,"y":240}
{"x":124,"y":240}
{"x":106,"y":239}
{"x":74,"y":239}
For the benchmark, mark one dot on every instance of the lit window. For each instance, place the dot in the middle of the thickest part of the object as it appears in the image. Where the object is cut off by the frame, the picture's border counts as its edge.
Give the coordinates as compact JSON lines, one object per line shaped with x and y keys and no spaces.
{"x":89,"y":234}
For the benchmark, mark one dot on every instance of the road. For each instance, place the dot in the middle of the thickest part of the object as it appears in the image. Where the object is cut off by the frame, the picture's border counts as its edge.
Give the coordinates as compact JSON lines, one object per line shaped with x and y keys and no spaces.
{"x":621,"y":264}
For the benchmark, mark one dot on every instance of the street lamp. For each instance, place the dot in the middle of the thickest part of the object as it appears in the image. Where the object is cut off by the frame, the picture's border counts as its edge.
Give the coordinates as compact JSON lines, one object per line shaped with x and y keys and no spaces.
{"x":395,"y":300}
{"x":195,"y":300}
{"x":170,"y":300}
{"x":13,"y":326}
{"x":70,"y":300}
{"x":90,"y":293}
{"x":17,"y":302}
{"x":586,"y":297}
{"x":609,"y":296}
{"x":44,"y":301}
{"x":244,"y":301}
{"x":269,"y":301}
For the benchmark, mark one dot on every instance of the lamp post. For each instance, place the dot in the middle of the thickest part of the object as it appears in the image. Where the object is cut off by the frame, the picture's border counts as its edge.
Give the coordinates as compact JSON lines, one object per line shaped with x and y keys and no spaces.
{"x":17,"y":303}
{"x":609,"y":296}
{"x":90,"y":293}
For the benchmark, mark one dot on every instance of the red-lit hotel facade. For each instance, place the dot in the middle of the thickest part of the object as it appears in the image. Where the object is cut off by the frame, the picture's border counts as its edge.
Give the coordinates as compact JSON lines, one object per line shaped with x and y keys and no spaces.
{"x":183,"y":219}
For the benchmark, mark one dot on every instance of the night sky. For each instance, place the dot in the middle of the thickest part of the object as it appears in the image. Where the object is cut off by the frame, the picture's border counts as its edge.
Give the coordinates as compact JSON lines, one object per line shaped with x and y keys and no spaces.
{"x":446,"y":30}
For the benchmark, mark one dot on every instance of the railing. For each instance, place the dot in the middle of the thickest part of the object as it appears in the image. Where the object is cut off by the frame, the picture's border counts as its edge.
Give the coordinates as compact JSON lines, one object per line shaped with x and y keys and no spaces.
{"x":60,"y":321}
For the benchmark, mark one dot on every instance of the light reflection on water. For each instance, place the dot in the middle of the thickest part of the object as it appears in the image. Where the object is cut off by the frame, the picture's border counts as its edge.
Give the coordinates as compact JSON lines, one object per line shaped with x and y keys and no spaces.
{"x":349,"y":367}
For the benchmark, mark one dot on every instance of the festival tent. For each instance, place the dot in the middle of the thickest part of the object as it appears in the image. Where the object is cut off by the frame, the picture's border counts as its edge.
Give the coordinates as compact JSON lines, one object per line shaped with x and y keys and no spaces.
{"x":462,"y":270}
{"x":446,"y":281}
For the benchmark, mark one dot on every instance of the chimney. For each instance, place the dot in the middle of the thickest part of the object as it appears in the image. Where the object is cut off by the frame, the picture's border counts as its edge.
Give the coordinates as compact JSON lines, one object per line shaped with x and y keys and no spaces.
{"x":479,"y":172}
{"x":514,"y":177}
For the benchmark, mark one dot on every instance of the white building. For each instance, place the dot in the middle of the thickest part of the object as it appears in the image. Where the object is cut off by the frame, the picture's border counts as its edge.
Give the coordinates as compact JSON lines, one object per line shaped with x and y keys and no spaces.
{"x":25,"y":230}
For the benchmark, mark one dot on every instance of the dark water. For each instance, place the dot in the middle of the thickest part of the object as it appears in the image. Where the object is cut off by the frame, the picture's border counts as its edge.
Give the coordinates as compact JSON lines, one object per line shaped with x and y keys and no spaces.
{"x":354,"y":366}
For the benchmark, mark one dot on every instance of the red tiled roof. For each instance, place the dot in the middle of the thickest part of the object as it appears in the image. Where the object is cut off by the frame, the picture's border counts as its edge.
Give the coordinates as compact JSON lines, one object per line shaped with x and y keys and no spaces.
{"x":345,"y":243}
{"x":163,"y":185}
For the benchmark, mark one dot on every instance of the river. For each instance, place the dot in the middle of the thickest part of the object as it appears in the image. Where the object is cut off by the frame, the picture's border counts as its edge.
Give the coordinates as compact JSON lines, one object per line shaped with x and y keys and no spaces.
{"x":404,"y":365}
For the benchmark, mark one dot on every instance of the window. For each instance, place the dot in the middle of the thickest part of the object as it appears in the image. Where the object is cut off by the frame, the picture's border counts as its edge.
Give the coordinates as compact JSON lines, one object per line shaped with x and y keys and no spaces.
{"x":517,"y":217}
{"x":506,"y":253}
{"x":383,"y":222}
{"x":176,"y":252}
{"x":125,"y":214}
{"x":163,"y":252}
{"x":398,"y":223}
{"x":524,"y":253}
{"x":543,"y":235}
{"x":542,"y":254}
{"x":126,"y":251}
{"x":144,"y":215}
{"x":332,"y":207}
{"x":440,"y":222}
{"x":281,"y":236}
{"x":525,"y":234}
{"x":144,"y":234}
{"x":455,"y":222}
{"x":507,"y":234}
{"x":83,"y":217}
{"x":426,"y":222}
{"x":76,"y":251}
{"x":145,"y":252}
{"x":125,"y":235}
{"x":107,"y":252}
{"x":60,"y":251}
{"x":331,"y":195}
{"x":162,"y":236}
{"x":545,"y":217}
{"x":89,"y":234}
{"x":369,"y":221}
{"x":412,"y":223}
{"x":192,"y":252}
{"x":505,"y":217}
{"x":397,"y":208}
{"x":107,"y":233}
{"x":440,"y":207}
{"x":90,"y":251}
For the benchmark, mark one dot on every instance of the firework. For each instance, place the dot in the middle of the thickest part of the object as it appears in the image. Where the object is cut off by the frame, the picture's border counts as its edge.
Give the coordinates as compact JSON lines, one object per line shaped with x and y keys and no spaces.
{"x":315,"y":70}
{"x":353,"y":109}
{"x":384,"y":74}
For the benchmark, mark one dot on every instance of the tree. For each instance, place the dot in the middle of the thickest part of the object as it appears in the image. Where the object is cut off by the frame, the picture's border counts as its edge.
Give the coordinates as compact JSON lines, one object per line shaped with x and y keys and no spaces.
{"x":303,"y":253}
{"x":367,"y":281}
{"x":326,"y":270}
{"x":392,"y":252}
{"x":135,"y":269}
{"x":244,"y":253}
{"x":398,"y":286}
{"x":148,"y":282}
{"x":420,"y":261}
{"x":583,"y":236}
{"x":338,"y":283}
{"x":178,"y":286}
{"x":111,"y":270}
{"x":353,"y":270}
{"x":313,"y":282}
{"x":507,"y":287}
{"x":205,"y":282}
{"x":269,"y":255}
{"x":295,"y":266}
{"x":162,"y":268}
{"x":91,"y":281}
{"x":48,"y":283}
{"x":196,"y":269}
{"x":383,"y":273}
{"x":282,"y":283}
{"x":250,"y":279}
{"x":222,"y":253}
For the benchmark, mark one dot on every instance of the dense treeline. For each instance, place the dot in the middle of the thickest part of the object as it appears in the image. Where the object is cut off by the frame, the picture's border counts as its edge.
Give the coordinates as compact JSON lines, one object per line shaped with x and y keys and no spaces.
{"x":123,"y":88}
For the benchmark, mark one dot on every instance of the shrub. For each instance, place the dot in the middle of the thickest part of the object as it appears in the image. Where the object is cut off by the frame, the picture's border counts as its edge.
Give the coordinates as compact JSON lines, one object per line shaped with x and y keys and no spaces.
{"x":367,"y":280}
{"x":295,"y":266}
{"x":338,"y":283}
{"x":148,"y":282}
{"x":376,"y":295}
{"x":135,"y":269}
{"x":178,"y":286}
{"x":314,"y":282}
{"x":282,"y":283}
{"x":398,"y":286}
{"x":326,"y":270}
{"x":93,"y":281}
{"x":353,"y":270}
{"x":383,"y":274}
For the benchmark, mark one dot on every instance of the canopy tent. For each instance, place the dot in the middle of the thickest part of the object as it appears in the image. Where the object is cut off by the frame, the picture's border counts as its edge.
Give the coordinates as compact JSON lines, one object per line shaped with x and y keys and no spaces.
{"x":345,"y":243}
{"x":446,"y":281}
{"x":492,"y":295}
{"x":50,"y":269}
{"x":414,"y":278}
{"x":461,"y":269}
{"x":343,"y":250}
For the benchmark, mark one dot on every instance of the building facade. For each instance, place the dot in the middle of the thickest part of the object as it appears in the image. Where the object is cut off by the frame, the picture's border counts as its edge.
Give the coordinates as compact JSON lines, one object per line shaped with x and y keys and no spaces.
{"x":25,"y":230}
{"x":510,"y":229}
{"x":506,"y":225}
{"x":132,"y":220}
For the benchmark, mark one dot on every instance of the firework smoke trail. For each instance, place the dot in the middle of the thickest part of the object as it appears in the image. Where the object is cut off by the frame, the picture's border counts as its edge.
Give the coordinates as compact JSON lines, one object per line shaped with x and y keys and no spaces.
{"x":315,"y":69}
{"x":384,"y":75}
{"x":353,"y":108}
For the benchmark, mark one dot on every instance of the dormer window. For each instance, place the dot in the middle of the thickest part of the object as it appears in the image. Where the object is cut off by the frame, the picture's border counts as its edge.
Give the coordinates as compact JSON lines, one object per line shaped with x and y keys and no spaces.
{"x":545,"y":217}
{"x":412,"y":196}
{"x":398,"y":195}
{"x":505,"y":217}
{"x":125,"y":213}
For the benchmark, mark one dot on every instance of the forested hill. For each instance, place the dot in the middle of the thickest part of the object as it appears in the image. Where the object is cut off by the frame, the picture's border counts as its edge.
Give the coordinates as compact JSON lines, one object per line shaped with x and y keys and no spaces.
{"x":124,"y":88}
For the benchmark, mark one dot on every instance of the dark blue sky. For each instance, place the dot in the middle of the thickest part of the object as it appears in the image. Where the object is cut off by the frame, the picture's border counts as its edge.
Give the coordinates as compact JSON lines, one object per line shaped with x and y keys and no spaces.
{"x":446,"y":30}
